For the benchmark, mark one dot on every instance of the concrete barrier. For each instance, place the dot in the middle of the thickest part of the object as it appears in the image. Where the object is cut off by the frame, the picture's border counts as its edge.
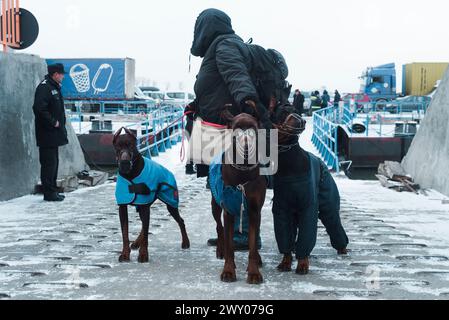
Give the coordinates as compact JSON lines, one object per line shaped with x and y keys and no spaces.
{"x":19,"y":163}
{"x":428,"y":158}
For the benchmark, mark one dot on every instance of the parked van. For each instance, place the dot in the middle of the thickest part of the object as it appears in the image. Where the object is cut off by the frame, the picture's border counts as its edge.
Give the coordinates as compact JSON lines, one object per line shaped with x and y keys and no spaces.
{"x":181,"y":97}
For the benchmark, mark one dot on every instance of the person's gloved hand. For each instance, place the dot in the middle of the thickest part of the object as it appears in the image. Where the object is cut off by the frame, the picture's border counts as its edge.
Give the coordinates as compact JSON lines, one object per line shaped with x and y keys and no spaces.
{"x":191,"y":109}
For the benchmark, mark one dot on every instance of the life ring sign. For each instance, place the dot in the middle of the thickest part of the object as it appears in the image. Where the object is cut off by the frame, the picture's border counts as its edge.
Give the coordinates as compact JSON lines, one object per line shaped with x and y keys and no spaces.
{"x":26,"y":31}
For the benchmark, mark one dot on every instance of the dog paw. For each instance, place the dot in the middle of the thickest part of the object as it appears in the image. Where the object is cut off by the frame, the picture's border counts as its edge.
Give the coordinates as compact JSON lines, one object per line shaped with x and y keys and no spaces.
{"x":342,"y":252}
{"x":285,"y":265}
{"x":303,"y":267}
{"x":124,"y":258}
{"x":185,"y":244}
{"x":255,"y":278}
{"x":228,"y":277}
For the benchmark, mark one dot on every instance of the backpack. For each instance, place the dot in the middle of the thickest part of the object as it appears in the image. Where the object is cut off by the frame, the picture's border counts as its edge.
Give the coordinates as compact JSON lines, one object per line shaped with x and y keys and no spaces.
{"x":269,"y":73}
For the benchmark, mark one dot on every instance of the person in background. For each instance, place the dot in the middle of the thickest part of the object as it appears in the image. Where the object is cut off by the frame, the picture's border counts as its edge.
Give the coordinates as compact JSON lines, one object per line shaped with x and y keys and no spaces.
{"x":298,"y":102}
{"x":337,"y":98}
{"x":325,"y":99}
{"x":50,"y":128}
{"x":315,"y":101}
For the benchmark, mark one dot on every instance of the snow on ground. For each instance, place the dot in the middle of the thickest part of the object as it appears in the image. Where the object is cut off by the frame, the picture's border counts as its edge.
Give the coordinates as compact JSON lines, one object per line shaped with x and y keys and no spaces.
{"x":399,"y":248}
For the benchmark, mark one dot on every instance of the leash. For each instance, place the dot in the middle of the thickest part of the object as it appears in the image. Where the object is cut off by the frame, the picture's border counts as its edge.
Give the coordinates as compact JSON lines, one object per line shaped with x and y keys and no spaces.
{"x":241,"y":188}
{"x":182,"y":155}
{"x":284,"y":149}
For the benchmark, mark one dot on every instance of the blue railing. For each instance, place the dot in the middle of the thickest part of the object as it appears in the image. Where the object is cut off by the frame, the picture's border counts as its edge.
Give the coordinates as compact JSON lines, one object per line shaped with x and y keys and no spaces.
{"x":325,"y":136}
{"x":378,"y":114}
{"x":111,"y":107}
{"x":327,"y":121}
{"x":160,"y":132}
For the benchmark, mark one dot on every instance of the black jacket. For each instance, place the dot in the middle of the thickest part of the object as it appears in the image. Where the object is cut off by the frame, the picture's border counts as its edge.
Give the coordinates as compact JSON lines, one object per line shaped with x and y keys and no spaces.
{"x":325,"y":99}
{"x":48,"y":108}
{"x":224,"y":77}
{"x":337,"y":98}
{"x":298,"y":102}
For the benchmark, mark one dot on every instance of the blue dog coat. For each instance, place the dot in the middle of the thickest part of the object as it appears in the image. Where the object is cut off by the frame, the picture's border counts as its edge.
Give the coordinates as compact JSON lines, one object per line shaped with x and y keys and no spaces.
{"x":229,"y":198}
{"x":158,"y":179}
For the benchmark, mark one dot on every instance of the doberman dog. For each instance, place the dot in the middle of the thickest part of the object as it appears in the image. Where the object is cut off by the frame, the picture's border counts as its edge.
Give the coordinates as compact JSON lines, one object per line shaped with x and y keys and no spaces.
{"x":239,"y":179}
{"x":140,"y":183}
{"x":304,"y":191}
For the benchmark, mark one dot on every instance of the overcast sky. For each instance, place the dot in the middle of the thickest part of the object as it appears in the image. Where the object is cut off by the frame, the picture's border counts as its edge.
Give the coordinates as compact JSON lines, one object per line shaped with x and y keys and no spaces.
{"x":326,"y":42}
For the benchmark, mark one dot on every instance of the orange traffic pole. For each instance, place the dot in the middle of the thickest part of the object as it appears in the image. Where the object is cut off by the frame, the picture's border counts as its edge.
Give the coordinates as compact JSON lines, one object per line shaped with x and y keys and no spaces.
{"x":11,"y":25}
{"x":17,"y":19}
{"x":5,"y":47}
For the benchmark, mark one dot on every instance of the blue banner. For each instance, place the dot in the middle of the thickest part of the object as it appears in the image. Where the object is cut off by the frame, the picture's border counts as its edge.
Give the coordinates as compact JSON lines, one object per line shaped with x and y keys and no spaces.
{"x":93,"y":78}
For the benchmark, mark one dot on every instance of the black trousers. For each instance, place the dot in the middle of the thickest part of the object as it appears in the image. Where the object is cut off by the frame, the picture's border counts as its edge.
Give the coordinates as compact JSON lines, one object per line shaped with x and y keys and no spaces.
{"x":49,"y":160}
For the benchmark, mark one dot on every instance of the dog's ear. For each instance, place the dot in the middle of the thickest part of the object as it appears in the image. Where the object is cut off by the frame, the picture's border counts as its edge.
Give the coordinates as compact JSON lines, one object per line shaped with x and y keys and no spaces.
{"x":227,"y":116}
{"x":116,"y":135}
{"x":130,"y":133}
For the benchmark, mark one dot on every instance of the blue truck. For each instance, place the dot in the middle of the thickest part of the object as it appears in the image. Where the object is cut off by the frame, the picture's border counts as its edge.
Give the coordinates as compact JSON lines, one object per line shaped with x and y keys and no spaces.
{"x":379,"y":83}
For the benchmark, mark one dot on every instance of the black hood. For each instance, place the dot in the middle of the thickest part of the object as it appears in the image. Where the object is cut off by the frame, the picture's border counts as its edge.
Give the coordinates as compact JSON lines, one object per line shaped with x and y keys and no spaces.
{"x":210,"y":24}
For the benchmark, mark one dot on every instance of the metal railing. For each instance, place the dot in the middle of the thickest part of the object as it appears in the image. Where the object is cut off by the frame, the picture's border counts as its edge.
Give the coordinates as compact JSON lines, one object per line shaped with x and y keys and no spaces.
{"x":10,"y":26}
{"x":377,"y":115}
{"x":325,"y":136}
{"x":160,"y":132}
{"x":373,"y":116}
{"x":111,"y":107}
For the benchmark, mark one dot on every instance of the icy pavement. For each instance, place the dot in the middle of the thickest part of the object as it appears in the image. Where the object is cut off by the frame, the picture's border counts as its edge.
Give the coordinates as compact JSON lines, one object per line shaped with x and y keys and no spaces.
{"x":399,"y":249}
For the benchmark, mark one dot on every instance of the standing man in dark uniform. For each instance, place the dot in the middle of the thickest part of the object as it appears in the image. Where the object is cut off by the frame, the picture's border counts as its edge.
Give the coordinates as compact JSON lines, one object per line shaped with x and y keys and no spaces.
{"x":298,"y":102}
{"x":51,"y":132}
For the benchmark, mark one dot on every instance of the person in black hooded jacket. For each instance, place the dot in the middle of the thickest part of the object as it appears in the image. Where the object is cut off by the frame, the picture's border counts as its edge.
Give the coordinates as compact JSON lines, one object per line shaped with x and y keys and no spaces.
{"x":224,"y":78}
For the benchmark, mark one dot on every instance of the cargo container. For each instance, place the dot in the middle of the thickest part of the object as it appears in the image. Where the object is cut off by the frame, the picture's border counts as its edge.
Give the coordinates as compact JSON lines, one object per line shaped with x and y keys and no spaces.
{"x":419,"y":79}
{"x":98,"y":79}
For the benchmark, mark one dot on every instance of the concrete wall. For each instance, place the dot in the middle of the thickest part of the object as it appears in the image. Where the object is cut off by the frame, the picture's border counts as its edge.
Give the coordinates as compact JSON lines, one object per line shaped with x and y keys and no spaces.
{"x":19,"y":162}
{"x":428,"y":158}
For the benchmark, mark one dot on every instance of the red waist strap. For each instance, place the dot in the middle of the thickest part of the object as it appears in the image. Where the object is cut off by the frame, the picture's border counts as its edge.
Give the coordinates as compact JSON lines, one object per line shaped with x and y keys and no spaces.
{"x":214,"y":125}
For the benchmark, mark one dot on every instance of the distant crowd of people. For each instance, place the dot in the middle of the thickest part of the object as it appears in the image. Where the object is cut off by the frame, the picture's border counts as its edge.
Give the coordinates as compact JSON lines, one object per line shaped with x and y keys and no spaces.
{"x":317,"y":101}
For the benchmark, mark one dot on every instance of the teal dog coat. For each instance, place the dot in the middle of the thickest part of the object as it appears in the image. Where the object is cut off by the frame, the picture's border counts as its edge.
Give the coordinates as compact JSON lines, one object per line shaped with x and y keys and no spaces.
{"x":160,"y":182}
{"x":228,"y":197}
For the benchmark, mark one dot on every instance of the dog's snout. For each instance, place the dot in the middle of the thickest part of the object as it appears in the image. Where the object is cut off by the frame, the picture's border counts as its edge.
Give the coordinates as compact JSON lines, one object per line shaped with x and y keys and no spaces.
{"x":124,"y":156}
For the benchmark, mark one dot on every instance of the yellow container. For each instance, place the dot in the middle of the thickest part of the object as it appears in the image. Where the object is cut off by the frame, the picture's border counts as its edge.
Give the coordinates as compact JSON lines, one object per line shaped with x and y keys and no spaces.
{"x":420,"y":78}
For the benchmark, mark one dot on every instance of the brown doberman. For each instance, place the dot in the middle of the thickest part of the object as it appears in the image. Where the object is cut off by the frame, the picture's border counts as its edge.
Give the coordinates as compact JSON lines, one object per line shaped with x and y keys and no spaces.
{"x":131,"y":164}
{"x":246,"y":177}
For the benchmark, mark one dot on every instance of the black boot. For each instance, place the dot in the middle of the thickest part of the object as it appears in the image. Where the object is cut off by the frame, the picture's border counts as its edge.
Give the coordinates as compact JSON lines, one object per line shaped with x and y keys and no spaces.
{"x":189,"y":169}
{"x":53,"y":197}
{"x":212,"y":242}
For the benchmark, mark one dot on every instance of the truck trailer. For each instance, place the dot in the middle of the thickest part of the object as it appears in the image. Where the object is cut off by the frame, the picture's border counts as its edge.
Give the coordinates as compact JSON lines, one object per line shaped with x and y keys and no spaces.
{"x":98,"y":79}
{"x":418,"y":79}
